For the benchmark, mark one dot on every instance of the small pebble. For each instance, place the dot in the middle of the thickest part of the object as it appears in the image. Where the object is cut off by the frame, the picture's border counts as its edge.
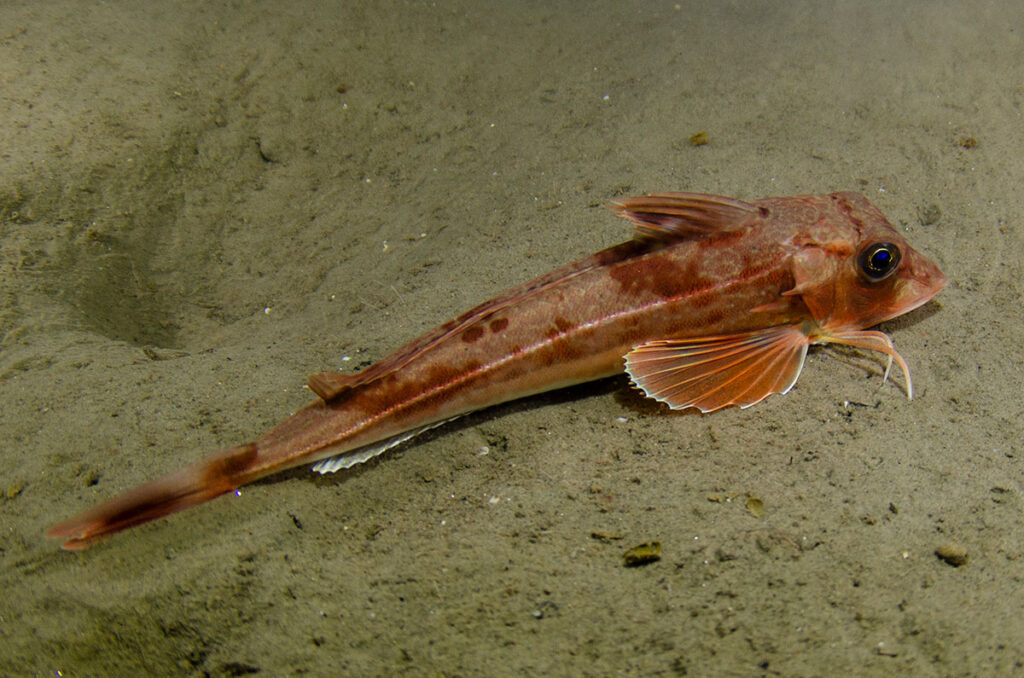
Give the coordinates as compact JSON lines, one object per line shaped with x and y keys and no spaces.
{"x":642,"y":554}
{"x":954,"y":554}
{"x":699,"y":139}
{"x":929,"y":214}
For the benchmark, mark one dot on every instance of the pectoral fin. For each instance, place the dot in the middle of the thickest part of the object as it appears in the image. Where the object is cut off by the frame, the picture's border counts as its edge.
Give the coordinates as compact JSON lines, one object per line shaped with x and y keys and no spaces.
{"x":710,"y":373}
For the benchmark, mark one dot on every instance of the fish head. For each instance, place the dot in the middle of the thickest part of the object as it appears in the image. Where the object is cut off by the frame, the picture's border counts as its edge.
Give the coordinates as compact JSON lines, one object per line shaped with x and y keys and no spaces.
{"x":854,"y":270}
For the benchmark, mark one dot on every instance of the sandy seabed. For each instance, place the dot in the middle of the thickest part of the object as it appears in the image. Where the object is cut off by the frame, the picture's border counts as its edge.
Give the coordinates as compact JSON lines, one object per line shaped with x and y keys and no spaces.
{"x":202,"y":202}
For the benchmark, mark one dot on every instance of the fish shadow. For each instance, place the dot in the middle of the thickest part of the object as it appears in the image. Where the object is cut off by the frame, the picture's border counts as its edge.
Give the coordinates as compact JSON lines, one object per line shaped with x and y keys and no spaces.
{"x":913,"y":317}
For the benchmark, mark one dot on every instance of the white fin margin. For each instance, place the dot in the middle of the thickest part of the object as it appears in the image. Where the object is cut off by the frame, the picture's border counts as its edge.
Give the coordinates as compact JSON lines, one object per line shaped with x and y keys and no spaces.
{"x":363,"y":454}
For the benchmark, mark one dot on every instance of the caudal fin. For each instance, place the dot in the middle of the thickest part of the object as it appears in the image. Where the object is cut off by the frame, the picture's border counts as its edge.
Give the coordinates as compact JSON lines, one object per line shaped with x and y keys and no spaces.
{"x":216,"y":475}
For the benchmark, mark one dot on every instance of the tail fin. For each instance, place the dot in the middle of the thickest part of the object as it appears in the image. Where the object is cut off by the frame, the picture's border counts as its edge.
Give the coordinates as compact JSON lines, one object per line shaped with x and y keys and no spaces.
{"x":216,"y":475}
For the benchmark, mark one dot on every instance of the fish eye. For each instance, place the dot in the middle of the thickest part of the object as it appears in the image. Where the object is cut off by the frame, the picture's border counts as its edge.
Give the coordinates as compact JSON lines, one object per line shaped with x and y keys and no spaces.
{"x":878,"y":260}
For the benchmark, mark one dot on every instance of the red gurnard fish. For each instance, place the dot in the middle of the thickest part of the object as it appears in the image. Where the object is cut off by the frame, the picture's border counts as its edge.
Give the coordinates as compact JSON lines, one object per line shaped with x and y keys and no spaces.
{"x":712,"y":303}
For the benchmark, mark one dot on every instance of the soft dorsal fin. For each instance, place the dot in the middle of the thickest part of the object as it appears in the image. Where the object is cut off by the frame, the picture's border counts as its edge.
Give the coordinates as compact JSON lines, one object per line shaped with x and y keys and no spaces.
{"x":327,"y":385}
{"x":681,"y":216}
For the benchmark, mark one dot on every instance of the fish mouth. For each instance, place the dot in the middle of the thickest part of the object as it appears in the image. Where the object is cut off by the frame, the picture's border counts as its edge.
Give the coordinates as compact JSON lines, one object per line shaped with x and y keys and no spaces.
{"x":937,"y":281}
{"x":914,"y":306}
{"x":920,"y":289}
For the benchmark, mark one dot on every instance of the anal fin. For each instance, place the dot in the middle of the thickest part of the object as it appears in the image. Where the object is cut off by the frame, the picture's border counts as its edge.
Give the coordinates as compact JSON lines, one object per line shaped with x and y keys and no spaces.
{"x":367,"y":452}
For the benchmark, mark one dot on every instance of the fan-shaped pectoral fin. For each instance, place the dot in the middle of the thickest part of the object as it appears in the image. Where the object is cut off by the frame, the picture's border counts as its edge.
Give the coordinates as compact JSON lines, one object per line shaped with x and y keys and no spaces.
{"x":710,"y":373}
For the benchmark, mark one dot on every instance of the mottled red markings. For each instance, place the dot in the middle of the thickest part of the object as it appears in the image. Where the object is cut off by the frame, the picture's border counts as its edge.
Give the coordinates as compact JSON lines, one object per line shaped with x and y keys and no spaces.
{"x":472,"y":333}
{"x":701,"y":299}
{"x":396,"y":394}
{"x":714,"y":317}
{"x":562,"y":325}
{"x":847,"y":208}
{"x":723,"y":239}
{"x":561,"y":351}
{"x":571,"y":350}
{"x":756,"y":270}
{"x":231,"y":462}
{"x":498,"y":325}
{"x":779,"y":278}
{"x":655,"y":276}
{"x":623,"y":251}
{"x":659,"y":276}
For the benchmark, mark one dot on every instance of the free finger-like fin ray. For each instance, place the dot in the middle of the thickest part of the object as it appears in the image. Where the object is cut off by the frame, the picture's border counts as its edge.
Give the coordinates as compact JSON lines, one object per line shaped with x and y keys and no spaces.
{"x":872,"y":340}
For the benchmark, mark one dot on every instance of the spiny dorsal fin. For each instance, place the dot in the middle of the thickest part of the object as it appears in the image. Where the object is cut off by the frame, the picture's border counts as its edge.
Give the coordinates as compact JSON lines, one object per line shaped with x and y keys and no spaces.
{"x":682,"y":216}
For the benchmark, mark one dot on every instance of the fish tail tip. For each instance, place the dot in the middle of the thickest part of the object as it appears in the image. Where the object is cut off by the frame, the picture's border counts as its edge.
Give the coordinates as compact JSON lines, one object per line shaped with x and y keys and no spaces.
{"x":201,"y":482}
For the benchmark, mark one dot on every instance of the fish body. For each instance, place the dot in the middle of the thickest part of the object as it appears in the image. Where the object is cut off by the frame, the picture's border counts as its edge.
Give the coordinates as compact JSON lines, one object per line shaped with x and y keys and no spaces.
{"x":712,"y":303}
